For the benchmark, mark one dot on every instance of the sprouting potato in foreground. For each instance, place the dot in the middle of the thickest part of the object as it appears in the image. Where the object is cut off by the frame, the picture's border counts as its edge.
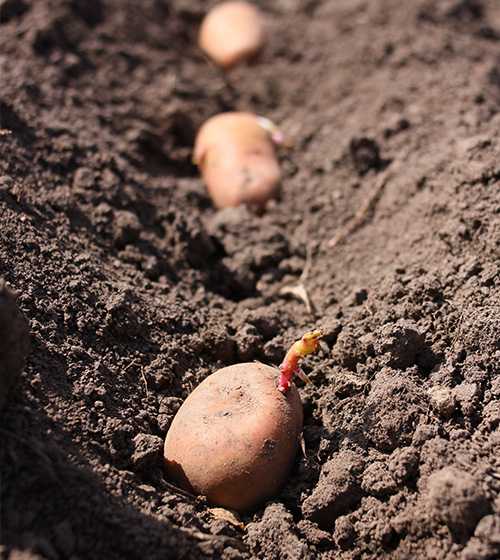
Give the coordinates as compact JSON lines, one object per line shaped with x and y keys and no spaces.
{"x":232,"y":33}
{"x":236,"y":155}
{"x":236,"y":435}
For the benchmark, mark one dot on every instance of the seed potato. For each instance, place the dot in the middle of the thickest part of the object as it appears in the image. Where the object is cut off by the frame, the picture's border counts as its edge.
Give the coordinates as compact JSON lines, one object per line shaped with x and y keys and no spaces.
{"x":235,"y":437}
{"x":236,"y":156}
{"x":232,"y":33}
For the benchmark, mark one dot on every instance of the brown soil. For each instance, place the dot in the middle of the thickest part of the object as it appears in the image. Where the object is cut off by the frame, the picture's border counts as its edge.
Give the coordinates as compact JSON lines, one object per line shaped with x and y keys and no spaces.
{"x":136,"y":288}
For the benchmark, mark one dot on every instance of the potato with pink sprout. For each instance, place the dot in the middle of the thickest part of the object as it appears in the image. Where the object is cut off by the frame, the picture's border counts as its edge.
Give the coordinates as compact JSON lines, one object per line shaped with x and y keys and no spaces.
{"x":235,"y":437}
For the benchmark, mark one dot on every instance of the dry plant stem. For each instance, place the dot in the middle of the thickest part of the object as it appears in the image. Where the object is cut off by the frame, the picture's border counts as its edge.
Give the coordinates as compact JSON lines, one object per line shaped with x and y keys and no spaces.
{"x":363,"y":210}
{"x":227,"y":515}
{"x":141,"y":367}
{"x":180,"y":492}
{"x":370,"y":202}
{"x":299,"y":290}
{"x":306,"y":345}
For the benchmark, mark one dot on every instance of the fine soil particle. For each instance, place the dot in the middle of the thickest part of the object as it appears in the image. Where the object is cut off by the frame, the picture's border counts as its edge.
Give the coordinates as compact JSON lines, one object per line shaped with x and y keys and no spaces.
{"x":136,"y":289}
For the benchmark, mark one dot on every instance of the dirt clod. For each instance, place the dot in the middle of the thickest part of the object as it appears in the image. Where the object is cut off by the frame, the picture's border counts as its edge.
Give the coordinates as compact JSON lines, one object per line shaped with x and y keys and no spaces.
{"x":365,"y":154}
{"x":456,"y":498}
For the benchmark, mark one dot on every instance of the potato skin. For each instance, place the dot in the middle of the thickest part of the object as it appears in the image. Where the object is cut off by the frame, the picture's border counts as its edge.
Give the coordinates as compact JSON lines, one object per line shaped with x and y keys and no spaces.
{"x":237,"y":159}
{"x":232,"y":33}
{"x":235,"y":437}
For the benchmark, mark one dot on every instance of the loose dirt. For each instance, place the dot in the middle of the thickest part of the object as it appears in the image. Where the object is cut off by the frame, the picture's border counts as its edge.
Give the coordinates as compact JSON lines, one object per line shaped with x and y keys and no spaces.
{"x":135,"y":288}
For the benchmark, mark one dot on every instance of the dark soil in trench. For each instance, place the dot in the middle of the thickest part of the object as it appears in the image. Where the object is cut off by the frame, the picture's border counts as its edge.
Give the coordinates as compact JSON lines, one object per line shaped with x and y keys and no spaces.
{"x":135,"y":288}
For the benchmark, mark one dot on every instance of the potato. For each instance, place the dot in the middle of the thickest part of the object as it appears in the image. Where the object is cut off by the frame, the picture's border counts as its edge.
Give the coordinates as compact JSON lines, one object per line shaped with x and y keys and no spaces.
{"x":235,"y":437}
{"x":236,"y":156}
{"x":232,"y":33}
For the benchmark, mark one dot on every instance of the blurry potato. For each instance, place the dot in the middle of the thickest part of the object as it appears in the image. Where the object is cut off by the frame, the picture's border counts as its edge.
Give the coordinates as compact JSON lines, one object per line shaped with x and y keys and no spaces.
{"x":236,"y":156}
{"x":231,"y":33}
{"x":235,"y":437}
